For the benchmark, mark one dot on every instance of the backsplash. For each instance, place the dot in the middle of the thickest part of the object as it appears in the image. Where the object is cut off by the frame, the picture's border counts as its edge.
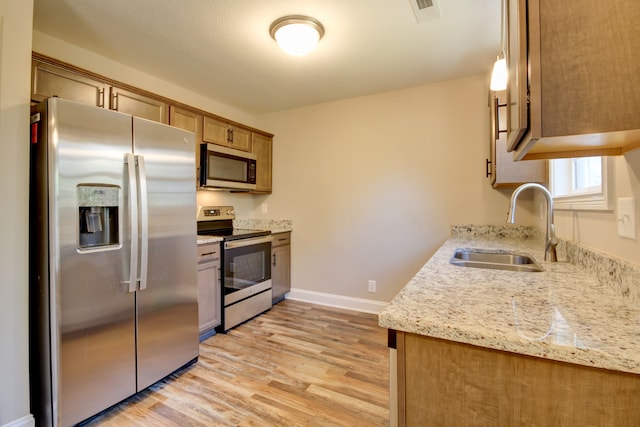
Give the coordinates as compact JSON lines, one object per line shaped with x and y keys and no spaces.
{"x":274,"y":225}
{"x":494,"y":232}
{"x":615,"y":273}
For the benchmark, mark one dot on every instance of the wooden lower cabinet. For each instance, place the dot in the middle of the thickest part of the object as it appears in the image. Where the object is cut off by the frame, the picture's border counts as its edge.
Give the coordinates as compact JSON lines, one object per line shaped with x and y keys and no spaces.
{"x":445,"y":383}
{"x":209,"y":288}
{"x":280,"y":265}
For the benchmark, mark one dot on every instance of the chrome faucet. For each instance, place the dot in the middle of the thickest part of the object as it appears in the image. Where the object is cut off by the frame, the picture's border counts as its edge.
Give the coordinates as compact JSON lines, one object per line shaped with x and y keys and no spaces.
{"x":551,"y":241}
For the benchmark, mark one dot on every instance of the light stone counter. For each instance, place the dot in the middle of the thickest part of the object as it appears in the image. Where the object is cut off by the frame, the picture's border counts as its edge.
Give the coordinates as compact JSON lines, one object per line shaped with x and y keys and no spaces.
{"x":564,"y":313}
{"x":202,"y":240}
{"x":273,"y":225}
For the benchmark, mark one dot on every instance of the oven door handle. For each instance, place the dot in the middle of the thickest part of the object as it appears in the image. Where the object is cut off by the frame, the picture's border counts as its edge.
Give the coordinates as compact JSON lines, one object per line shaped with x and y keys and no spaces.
{"x":247,"y":242}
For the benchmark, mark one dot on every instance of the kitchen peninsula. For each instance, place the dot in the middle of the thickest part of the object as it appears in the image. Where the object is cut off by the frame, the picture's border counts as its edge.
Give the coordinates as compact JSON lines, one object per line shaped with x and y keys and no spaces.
{"x":492,"y":347}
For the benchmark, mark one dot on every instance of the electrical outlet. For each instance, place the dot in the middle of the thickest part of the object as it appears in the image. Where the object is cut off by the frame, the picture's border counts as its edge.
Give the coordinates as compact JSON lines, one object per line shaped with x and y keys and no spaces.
{"x":264,"y":208}
{"x":372,"y":285}
{"x":626,"y":216}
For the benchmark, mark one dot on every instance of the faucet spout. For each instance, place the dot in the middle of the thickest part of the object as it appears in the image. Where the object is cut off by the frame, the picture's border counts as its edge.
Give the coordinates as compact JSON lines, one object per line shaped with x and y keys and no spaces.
{"x":550,"y":239}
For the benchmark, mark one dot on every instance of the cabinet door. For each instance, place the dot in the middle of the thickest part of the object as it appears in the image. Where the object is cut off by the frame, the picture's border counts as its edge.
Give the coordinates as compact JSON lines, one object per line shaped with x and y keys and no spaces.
{"x":262,"y":148}
{"x":517,"y":87}
{"x":505,"y":172}
{"x":280,"y":267}
{"x":240,"y":138}
{"x":216,"y":131}
{"x":48,"y":80}
{"x":191,"y":121}
{"x":222,"y":133}
{"x":208,"y":295}
{"x":138,"y":105}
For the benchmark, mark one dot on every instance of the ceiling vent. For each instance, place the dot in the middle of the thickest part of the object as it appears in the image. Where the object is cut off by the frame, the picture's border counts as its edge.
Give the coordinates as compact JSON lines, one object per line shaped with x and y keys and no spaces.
{"x":425,"y":10}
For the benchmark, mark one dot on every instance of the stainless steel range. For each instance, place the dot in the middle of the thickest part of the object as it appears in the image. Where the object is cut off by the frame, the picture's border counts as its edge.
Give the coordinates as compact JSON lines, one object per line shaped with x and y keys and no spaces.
{"x":246,"y":265}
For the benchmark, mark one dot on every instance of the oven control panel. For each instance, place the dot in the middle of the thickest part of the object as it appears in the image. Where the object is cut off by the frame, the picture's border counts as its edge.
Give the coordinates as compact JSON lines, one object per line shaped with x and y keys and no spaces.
{"x":209,"y":213}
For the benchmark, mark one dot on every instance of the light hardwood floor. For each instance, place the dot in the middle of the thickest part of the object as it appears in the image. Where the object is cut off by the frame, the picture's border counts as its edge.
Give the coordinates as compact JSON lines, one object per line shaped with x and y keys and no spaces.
{"x":296,"y":365}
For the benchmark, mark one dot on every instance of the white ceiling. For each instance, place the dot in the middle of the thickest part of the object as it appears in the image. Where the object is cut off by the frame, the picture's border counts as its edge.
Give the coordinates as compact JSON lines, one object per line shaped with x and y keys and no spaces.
{"x":222,"y":48}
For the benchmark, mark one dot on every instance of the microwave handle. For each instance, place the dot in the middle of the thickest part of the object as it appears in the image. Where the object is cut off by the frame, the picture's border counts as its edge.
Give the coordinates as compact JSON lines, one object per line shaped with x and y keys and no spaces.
{"x":204,"y":162}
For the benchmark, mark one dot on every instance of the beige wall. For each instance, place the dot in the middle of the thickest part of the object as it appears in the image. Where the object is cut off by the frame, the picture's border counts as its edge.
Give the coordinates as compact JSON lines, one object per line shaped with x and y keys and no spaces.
{"x":15,"y":57}
{"x":600,"y":229}
{"x":379,"y":178}
{"x":373,"y":184}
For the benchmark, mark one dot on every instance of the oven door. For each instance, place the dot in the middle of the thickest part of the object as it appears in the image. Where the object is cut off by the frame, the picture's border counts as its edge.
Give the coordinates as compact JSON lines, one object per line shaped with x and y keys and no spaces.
{"x":247,"y":268}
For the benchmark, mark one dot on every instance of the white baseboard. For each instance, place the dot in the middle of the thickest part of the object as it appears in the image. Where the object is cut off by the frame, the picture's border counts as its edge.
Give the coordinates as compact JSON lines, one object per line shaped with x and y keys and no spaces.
{"x":26,"y":421}
{"x":339,"y":301}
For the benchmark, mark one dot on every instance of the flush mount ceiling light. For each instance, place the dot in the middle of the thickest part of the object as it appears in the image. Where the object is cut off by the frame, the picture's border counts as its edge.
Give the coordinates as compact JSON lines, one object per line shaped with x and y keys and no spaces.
{"x":296,"y":34}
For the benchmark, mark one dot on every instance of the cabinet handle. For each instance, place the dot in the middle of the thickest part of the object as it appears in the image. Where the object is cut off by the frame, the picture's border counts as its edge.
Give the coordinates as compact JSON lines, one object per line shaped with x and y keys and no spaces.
{"x":487,"y":168}
{"x":230,"y":133}
{"x":208,"y":253}
{"x":496,"y":121}
{"x":274,"y":260}
{"x":497,"y":117}
{"x":114,"y":101}
{"x":101,"y":102}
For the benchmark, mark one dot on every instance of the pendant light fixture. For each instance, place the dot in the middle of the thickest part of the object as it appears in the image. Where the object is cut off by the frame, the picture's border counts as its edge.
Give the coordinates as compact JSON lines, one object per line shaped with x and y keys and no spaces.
{"x":296,"y":34}
{"x":499,"y":75}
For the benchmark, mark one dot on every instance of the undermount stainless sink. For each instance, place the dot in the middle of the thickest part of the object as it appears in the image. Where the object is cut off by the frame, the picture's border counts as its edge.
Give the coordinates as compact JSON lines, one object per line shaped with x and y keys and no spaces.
{"x":494,"y":259}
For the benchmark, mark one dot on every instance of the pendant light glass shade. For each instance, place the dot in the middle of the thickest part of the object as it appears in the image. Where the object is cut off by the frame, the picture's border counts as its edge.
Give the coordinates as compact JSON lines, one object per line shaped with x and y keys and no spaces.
{"x":499,"y":75}
{"x":297,"y":35}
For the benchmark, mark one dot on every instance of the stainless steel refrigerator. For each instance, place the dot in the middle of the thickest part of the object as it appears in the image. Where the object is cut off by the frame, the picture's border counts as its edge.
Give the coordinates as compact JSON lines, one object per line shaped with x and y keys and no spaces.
{"x":113,"y":292}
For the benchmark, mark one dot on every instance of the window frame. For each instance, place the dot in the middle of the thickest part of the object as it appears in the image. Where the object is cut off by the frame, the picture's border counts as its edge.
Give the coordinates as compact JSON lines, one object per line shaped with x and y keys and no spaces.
{"x":601,"y":200}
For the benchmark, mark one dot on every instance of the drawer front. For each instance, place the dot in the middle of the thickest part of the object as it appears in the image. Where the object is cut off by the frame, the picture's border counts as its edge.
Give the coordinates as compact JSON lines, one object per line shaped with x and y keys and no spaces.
{"x":208,"y":252}
{"x":281,"y":239}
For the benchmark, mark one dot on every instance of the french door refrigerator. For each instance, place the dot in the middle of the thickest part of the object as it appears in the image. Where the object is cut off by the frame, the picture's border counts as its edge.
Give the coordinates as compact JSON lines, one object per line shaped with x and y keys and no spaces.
{"x":113,"y":291}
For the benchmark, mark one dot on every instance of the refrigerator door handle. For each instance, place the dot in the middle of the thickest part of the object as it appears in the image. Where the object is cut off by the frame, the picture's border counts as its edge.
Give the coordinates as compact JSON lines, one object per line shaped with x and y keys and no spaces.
{"x":144,"y":222}
{"x":133,"y":219}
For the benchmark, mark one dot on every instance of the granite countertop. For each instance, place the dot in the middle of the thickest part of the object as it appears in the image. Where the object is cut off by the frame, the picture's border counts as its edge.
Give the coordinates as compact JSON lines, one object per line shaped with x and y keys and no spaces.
{"x":203,"y":240}
{"x":563,"y":313}
{"x":273,"y":225}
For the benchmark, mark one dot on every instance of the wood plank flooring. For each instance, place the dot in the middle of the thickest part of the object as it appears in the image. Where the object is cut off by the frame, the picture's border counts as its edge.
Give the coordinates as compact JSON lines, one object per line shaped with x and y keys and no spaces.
{"x":296,"y":365}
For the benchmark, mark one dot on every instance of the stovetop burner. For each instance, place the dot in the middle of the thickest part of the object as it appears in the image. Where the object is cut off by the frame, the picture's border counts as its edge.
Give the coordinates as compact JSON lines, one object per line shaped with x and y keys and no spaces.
{"x":218,"y":221}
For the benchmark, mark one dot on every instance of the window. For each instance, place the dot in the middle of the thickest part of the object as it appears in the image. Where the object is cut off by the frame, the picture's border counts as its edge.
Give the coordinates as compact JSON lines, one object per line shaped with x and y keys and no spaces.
{"x":581,"y":183}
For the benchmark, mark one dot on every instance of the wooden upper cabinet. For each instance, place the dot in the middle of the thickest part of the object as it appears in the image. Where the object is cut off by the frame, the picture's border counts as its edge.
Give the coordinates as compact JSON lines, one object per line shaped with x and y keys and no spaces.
{"x":223,"y":133}
{"x":191,"y":121}
{"x":48,"y":81}
{"x":240,"y":138}
{"x":501,"y":168}
{"x":574,"y":83}
{"x":263,"y":149}
{"x":138,"y":105}
{"x":50,"y":77}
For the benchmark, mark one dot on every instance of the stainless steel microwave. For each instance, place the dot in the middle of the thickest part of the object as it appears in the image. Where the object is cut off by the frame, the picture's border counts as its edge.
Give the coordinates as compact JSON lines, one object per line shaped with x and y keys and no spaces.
{"x":226,"y":168}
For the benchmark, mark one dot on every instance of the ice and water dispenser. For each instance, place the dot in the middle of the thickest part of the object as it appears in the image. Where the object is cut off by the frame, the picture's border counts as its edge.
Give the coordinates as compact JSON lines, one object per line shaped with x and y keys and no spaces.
{"x":98,"y":216}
